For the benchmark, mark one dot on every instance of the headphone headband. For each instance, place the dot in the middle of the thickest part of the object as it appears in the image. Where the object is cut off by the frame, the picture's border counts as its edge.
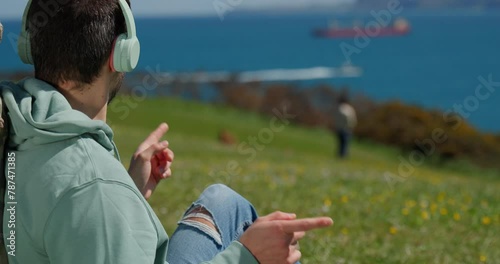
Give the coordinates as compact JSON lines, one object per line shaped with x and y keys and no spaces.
{"x":23,"y":43}
{"x":25,"y":16}
{"x":129,"y":18}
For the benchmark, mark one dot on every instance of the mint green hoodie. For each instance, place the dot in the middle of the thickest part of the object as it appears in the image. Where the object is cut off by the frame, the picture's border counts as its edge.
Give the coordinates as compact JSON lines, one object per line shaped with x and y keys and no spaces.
{"x":76,"y":202}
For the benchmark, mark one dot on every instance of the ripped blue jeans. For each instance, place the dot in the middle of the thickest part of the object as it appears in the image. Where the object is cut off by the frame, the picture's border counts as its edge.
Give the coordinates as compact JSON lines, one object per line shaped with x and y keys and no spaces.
{"x":194,"y":242}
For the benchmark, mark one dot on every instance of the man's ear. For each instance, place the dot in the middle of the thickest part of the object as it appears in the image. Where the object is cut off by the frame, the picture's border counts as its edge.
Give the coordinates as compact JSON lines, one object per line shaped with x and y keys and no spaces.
{"x":110,"y":65}
{"x":110,"y":58}
{"x":66,"y":85}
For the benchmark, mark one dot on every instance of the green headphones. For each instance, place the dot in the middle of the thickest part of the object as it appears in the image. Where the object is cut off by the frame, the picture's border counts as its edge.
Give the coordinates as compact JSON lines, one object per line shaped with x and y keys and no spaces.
{"x":125,"y":53}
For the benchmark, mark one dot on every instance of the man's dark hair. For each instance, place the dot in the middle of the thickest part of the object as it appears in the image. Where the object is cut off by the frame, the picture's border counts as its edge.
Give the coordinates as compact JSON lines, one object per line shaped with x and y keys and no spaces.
{"x":72,"y":40}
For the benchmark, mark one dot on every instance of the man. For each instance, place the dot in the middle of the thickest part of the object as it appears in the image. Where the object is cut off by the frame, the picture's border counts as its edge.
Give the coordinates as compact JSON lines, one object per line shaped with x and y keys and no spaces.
{"x":345,"y":122}
{"x":75,"y":203}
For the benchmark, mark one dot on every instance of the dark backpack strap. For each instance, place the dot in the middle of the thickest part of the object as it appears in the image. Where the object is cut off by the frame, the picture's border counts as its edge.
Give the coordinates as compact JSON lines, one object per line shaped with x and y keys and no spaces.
{"x":4,"y":132}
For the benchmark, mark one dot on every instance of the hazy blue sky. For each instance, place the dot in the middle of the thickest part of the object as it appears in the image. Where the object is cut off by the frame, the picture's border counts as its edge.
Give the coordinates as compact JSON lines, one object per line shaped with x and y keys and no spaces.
{"x":14,"y":8}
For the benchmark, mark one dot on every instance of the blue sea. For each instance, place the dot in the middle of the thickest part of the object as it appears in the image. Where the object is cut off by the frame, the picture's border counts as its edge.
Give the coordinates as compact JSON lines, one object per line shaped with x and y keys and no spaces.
{"x":436,"y":66}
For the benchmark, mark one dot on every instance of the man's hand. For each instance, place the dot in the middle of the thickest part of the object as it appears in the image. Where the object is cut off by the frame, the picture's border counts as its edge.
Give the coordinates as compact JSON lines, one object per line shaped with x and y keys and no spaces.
{"x":151,"y":162}
{"x":273,"y":239}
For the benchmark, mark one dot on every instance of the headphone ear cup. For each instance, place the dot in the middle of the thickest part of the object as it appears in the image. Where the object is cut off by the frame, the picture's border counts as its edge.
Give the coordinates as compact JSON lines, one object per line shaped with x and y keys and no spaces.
{"x":126,"y":53}
{"x":24,"y":47}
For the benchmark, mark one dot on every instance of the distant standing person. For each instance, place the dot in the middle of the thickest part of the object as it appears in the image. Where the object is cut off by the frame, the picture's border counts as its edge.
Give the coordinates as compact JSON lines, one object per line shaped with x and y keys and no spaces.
{"x":345,"y":121}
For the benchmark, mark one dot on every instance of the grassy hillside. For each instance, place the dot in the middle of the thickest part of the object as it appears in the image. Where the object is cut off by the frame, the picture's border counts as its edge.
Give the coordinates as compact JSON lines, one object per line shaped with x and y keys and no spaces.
{"x":432,"y":216}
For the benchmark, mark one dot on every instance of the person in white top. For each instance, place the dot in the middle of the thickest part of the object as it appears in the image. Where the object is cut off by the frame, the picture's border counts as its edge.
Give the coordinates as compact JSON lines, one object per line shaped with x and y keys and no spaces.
{"x":345,"y":122}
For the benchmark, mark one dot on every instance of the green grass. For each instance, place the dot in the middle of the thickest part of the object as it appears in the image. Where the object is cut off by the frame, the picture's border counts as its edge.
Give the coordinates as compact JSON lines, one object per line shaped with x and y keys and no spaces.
{"x":436,"y":215}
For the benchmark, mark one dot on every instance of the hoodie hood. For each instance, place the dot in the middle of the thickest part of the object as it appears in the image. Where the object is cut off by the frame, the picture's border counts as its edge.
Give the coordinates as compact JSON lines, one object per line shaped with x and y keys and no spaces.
{"x":40,"y":115}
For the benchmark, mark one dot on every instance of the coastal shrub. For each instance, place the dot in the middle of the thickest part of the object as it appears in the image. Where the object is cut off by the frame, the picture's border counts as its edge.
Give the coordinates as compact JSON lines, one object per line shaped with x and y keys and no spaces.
{"x":431,"y":132}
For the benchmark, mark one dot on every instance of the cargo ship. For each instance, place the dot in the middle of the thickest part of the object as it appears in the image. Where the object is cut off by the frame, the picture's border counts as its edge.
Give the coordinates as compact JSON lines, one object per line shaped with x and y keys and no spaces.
{"x":400,"y":27}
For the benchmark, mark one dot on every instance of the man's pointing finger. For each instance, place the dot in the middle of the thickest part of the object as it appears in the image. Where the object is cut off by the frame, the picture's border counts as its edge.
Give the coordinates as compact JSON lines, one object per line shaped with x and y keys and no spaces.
{"x":305,"y":224}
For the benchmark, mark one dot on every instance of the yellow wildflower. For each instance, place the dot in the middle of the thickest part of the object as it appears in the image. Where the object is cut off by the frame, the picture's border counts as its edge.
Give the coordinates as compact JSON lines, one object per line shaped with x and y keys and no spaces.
{"x":327,"y":202}
{"x":482,"y":258}
{"x":443,"y":211}
{"x":486,"y":220}
{"x":425,"y":215}
{"x":441,"y":196}
{"x":393,"y":230}
{"x":410,"y":203}
{"x":344,"y":231}
{"x":344,"y":199}
{"x":405,"y":211}
{"x":456,"y":216}
{"x":433,"y":207}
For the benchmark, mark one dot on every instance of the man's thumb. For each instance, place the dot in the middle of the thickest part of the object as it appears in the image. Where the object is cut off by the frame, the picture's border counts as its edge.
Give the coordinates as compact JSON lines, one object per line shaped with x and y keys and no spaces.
{"x":148,"y":154}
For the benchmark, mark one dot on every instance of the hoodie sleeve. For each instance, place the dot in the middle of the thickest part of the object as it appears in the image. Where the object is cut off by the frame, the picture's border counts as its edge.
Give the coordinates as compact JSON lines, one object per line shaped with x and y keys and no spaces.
{"x":101,"y":222}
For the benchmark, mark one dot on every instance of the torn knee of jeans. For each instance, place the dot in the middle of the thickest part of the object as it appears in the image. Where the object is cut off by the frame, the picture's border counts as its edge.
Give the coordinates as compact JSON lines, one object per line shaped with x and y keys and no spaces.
{"x":201,"y":219}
